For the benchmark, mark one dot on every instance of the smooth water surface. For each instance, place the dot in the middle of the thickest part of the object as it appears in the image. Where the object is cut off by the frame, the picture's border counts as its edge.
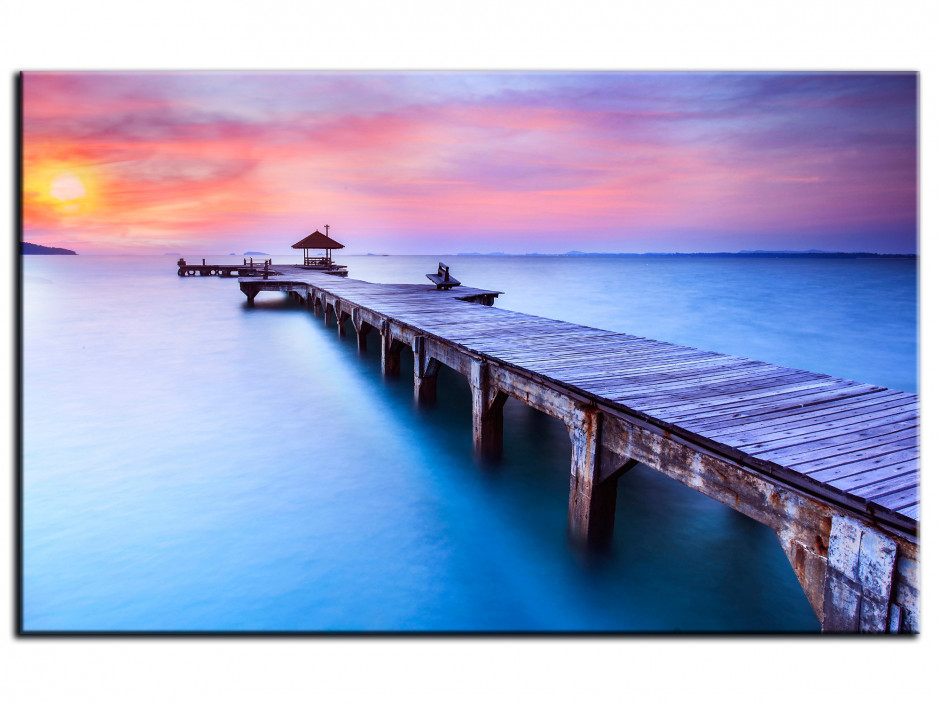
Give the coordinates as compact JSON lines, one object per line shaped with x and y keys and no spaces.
{"x":194,"y":464}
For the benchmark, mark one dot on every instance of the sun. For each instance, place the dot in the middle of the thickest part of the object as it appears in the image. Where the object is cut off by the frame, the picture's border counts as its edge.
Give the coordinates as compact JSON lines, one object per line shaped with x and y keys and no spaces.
{"x":58,"y":189}
{"x":68,"y":188}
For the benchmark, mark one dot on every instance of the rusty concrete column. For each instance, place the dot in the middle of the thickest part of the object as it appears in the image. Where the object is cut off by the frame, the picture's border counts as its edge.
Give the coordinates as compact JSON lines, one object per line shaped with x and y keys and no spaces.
{"x":807,"y":556}
{"x":488,"y":404}
{"x":250,"y":291}
{"x":859,"y":577}
{"x":592,"y":498}
{"x":426,"y":369}
{"x":362,"y":330}
{"x":341,"y":318}
{"x":391,"y":352}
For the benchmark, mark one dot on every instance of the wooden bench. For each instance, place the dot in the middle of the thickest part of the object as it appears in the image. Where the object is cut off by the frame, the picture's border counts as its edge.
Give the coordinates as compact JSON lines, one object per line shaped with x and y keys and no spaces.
{"x":442,"y":279}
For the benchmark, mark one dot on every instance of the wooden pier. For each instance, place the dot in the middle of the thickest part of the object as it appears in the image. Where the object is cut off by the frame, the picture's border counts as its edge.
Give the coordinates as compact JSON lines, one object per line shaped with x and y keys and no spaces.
{"x":829,"y":464}
{"x":246,"y":269}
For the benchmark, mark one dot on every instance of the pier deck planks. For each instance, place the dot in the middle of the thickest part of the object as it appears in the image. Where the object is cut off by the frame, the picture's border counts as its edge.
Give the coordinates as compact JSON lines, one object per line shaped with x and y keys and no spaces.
{"x":856,"y":440}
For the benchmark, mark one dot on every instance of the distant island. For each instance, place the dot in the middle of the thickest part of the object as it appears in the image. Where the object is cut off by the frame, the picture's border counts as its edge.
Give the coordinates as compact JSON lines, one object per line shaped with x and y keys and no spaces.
{"x":741,"y":253}
{"x":254,"y":253}
{"x":29,"y":248}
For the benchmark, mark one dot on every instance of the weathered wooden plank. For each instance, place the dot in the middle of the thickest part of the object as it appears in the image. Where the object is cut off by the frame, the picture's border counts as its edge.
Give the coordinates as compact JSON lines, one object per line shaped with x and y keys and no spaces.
{"x":804,"y":427}
{"x":714,"y":369}
{"x":648,"y":359}
{"x":870,"y":480}
{"x":765,"y":420}
{"x":829,"y":469}
{"x":833,"y":436}
{"x":509,"y":330}
{"x":901,"y":499}
{"x":857,"y":450}
{"x":782,"y":394}
{"x":890,"y":486}
{"x":697,"y":395}
{"x":547,"y":356}
{"x":768,"y":405}
{"x":586,"y":352}
{"x":513,"y":346}
{"x":708,"y":374}
{"x":654,"y":366}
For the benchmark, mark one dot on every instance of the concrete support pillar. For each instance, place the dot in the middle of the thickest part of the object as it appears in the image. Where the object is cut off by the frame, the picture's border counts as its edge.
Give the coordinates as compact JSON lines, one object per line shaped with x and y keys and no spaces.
{"x":592,"y":499}
{"x":807,"y":556}
{"x":856,"y":579}
{"x":391,"y":352}
{"x":859,"y":580}
{"x":362,"y":330}
{"x":341,"y":318}
{"x":426,"y":369}
{"x":249,"y":291}
{"x":326,"y":313}
{"x":488,"y":404}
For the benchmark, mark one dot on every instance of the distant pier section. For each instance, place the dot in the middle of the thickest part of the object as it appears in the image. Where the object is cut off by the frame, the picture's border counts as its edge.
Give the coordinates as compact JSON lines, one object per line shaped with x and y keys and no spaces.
{"x":248,"y":268}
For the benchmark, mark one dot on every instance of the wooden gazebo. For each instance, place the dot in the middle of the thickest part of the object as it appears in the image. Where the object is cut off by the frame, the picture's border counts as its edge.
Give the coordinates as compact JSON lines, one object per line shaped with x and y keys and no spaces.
{"x":318,"y":241}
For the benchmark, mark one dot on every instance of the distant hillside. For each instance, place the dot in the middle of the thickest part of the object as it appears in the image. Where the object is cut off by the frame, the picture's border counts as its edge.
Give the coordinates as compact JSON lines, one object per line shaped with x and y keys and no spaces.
{"x":31,"y":249}
{"x":256,"y":253}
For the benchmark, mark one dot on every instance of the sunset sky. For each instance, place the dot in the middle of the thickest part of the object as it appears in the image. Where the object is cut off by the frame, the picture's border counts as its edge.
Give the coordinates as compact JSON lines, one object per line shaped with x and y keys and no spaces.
{"x":446,"y":162}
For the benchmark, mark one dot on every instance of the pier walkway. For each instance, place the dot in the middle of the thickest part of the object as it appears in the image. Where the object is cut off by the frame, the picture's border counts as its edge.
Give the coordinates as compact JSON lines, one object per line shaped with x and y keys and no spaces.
{"x":831,"y":465}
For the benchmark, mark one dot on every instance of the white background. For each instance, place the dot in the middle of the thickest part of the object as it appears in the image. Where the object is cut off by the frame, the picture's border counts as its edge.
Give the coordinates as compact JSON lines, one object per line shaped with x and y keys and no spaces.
{"x":482,"y":34}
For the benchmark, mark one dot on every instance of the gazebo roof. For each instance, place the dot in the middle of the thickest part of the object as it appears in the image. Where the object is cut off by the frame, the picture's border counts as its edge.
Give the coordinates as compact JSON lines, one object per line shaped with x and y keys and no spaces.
{"x":317,"y":241}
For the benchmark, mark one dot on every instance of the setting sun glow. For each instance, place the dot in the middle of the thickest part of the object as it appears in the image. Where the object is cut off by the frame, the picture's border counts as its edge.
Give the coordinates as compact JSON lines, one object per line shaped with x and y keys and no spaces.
{"x":61,"y":193}
{"x":66,"y":187}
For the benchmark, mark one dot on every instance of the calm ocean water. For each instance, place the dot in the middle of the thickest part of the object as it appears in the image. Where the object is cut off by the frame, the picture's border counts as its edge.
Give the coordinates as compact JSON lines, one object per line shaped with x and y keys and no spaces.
{"x":193,"y":464}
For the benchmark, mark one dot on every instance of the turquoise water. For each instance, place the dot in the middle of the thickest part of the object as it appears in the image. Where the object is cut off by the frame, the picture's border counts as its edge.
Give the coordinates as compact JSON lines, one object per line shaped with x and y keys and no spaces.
{"x":193,"y":464}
